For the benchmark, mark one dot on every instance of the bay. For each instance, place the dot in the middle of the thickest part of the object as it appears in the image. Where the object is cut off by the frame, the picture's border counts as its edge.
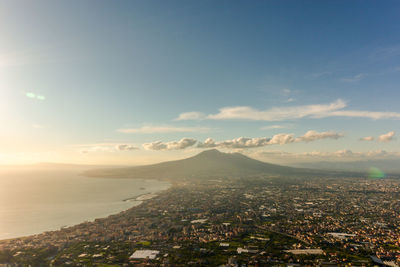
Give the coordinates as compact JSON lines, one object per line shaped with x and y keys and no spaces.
{"x":34,"y":201}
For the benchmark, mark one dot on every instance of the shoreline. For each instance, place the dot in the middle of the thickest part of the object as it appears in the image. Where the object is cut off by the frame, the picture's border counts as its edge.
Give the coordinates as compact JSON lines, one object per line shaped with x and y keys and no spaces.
{"x":135,"y":200}
{"x":141,"y":197}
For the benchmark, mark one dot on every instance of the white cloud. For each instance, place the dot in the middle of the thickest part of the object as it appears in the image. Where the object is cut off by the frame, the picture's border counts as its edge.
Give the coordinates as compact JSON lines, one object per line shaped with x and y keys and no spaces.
{"x":105,"y":147}
{"x":156,"y":145}
{"x":194,"y":115}
{"x":243,"y":142}
{"x":277,"y":114}
{"x":319,"y":74}
{"x":173,"y":145}
{"x":334,"y":109}
{"x":382,"y":138}
{"x":281,"y":139}
{"x":97,"y":148}
{"x":364,"y":114}
{"x":288,"y":94}
{"x":208,"y":143}
{"x":367,"y":138}
{"x":276,"y":126}
{"x":162,"y":129}
{"x":286,"y":91}
{"x":386,"y":137}
{"x":354,"y":78}
{"x":182,"y":144}
{"x":313,"y":135}
{"x":125,"y":147}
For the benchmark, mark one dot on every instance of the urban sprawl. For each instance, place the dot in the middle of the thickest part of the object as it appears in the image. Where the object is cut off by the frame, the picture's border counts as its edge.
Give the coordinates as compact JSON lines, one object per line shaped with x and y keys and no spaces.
{"x":259,"y":221}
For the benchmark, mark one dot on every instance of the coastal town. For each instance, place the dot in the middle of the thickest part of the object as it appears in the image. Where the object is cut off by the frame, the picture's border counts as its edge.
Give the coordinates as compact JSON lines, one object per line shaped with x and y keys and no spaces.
{"x":262,"y":221}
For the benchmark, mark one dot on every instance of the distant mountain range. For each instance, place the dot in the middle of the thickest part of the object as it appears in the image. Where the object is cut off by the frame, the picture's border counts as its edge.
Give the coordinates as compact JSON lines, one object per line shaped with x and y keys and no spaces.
{"x":387,"y":166}
{"x":55,"y":166}
{"x":207,"y":164}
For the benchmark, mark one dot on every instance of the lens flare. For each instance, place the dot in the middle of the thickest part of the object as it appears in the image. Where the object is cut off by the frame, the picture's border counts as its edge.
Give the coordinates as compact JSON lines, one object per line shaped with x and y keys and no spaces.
{"x":375,"y":173}
{"x":35,"y":96}
{"x":30,"y":95}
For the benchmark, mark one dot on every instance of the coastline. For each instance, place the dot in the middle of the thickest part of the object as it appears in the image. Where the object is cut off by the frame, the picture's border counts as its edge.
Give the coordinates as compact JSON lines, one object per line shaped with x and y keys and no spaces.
{"x":141,"y":197}
{"x":133,"y":201}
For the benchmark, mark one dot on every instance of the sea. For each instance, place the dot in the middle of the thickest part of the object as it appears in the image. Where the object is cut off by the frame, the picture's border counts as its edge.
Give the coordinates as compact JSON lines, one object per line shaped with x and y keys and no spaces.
{"x":35,"y":201}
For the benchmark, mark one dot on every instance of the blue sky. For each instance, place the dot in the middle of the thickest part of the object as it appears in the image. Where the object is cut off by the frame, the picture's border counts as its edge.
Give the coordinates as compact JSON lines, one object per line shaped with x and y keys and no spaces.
{"x":111,"y":73}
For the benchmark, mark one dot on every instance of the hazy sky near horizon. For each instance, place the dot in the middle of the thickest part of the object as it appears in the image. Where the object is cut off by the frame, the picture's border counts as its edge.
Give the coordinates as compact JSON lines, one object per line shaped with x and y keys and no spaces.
{"x":124,"y":82}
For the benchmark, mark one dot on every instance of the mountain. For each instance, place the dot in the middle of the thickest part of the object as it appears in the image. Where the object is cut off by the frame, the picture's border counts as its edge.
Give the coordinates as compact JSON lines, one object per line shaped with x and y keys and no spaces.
{"x":207,"y":164}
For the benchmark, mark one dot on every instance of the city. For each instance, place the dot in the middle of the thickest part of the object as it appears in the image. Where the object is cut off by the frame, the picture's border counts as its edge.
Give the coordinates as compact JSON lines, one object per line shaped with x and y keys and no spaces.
{"x":229,"y":222}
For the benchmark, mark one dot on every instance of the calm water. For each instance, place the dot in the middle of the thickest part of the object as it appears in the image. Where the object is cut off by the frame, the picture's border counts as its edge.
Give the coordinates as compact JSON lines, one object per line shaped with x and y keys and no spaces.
{"x":32,"y":202}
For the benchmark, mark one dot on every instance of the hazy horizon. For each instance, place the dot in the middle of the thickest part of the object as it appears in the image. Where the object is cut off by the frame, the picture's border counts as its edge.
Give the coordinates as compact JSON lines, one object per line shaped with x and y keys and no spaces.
{"x":388,"y":166}
{"x":135,"y":83}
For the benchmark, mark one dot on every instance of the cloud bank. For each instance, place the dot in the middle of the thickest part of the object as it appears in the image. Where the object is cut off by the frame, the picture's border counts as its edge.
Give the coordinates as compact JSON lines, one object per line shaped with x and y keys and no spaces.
{"x":242,"y":142}
{"x":278,"y":139}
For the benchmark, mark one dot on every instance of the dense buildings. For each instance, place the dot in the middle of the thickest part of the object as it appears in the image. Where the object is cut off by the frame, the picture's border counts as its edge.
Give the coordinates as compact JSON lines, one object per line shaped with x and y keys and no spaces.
{"x":258,"y":221}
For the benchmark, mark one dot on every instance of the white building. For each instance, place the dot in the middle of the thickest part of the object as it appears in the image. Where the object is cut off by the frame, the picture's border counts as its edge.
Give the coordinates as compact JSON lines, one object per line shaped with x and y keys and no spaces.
{"x":145,"y":254}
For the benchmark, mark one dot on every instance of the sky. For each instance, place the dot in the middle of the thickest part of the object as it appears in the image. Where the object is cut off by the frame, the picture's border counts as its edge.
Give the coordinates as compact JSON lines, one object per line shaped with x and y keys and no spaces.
{"x":137,"y":82}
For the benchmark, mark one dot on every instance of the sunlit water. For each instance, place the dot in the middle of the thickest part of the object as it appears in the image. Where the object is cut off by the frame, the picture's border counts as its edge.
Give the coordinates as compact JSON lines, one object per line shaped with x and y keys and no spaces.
{"x":37,"y":201}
